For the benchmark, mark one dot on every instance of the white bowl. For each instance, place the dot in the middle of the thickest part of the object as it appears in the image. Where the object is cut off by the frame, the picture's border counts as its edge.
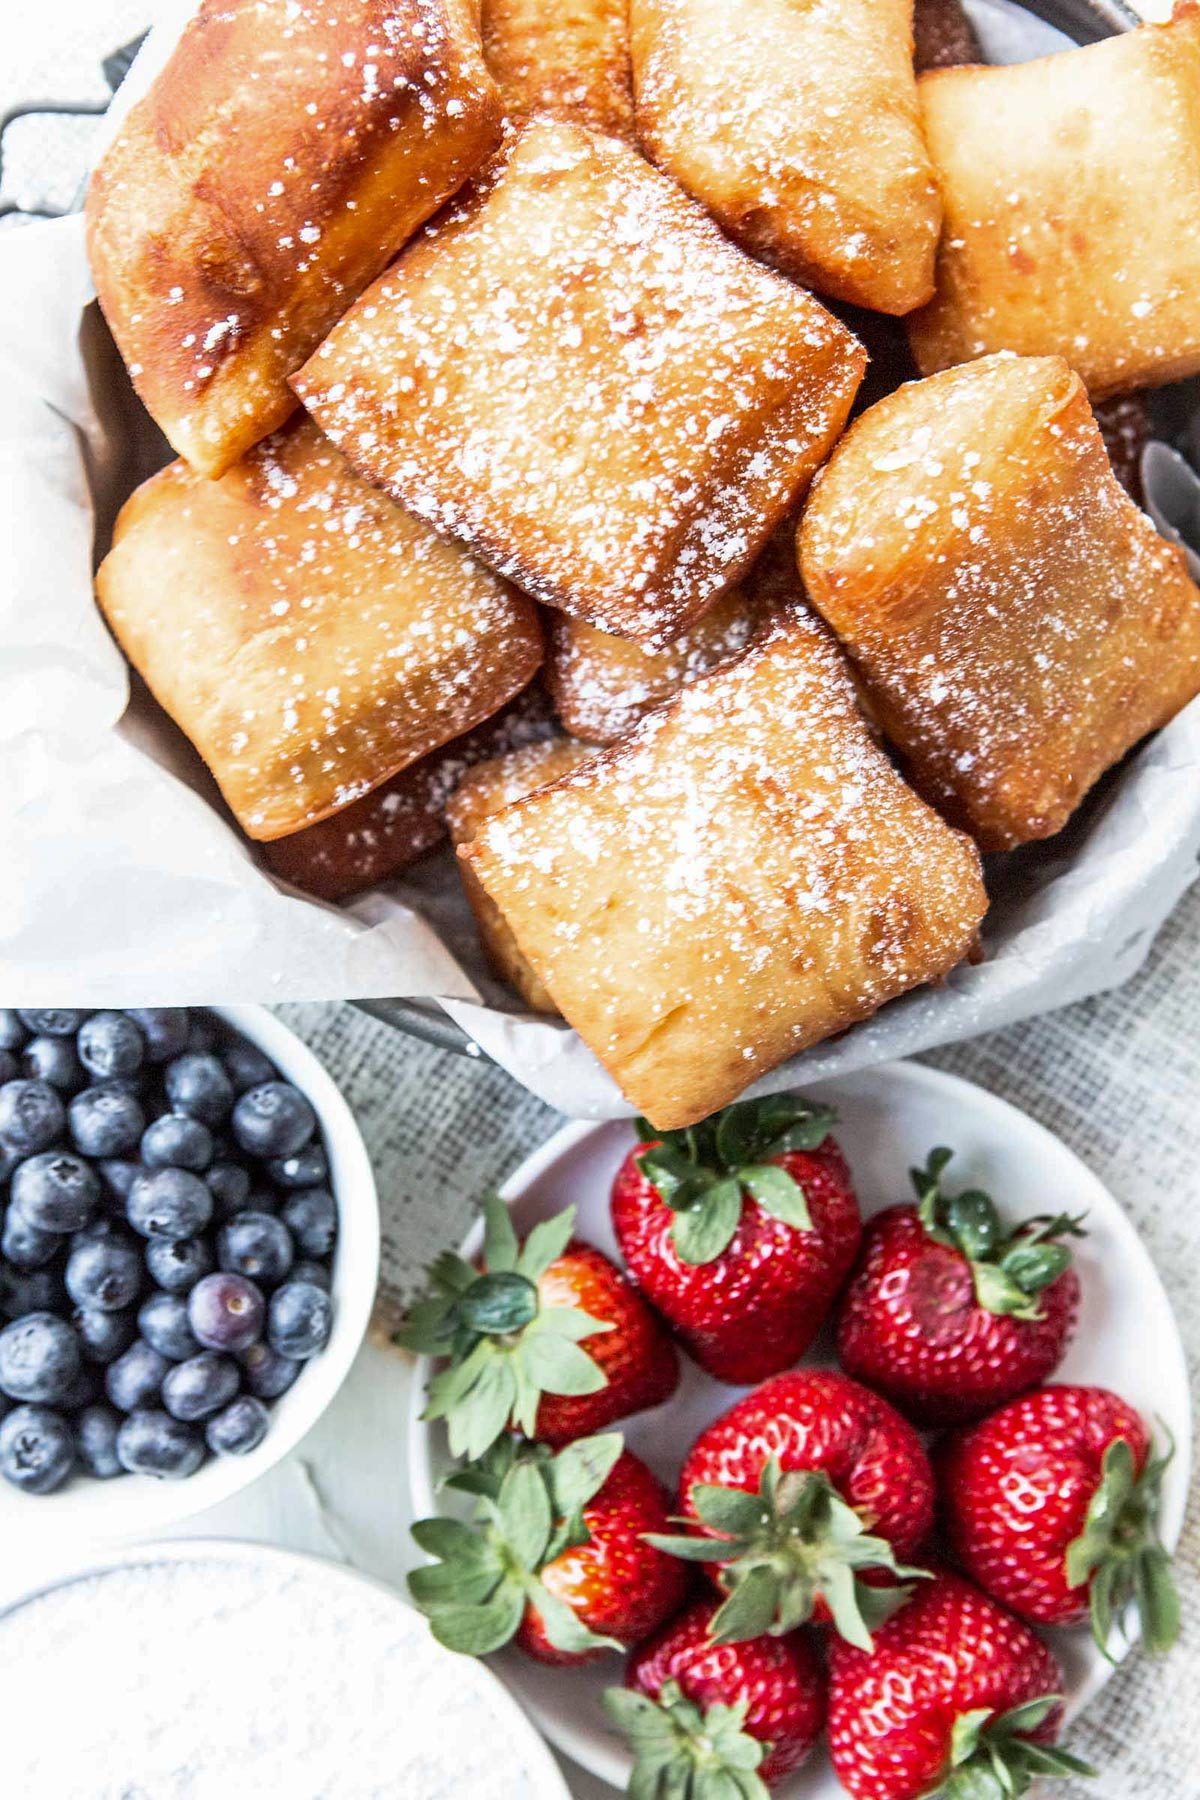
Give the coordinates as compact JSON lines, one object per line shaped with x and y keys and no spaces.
{"x":889,"y":1120}
{"x":85,"y":1510}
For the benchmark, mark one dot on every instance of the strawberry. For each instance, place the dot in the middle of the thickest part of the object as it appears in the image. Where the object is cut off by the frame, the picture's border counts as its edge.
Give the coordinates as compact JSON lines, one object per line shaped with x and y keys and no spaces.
{"x":1052,"y":1506}
{"x":803,"y":1484}
{"x":957,"y":1699}
{"x":708,"y":1721}
{"x":556,"y":1558}
{"x":741,"y":1232}
{"x":948,"y":1313}
{"x":512,"y":1338}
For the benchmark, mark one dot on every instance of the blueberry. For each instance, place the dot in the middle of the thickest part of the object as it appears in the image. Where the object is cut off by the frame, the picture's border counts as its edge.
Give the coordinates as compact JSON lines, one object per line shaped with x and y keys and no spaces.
{"x":56,"y":1191}
{"x":177,"y":1142}
{"x":153,"y":1443}
{"x":10,"y":1068}
{"x":299,"y":1319}
{"x":37,"y":1449}
{"x":105,"y":1121}
{"x":51,"y":1021}
{"x":110,"y":1045}
{"x":31,"y":1116}
{"x":267,"y":1374}
{"x":203,"y":1034}
{"x":24,"y":1245}
{"x":54,"y":1060}
{"x":273,"y":1119}
{"x":103,"y":1336}
{"x":246,"y":1066}
{"x":201,"y":1386}
{"x":164,"y":1028}
{"x":239,"y":1428}
{"x":135,"y":1378}
{"x":229,"y":1185}
{"x":96,"y":1431}
{"x":198,"y":1086}
{"x":311,"y":1217}
{"x":226,"y":1311}
{"x":12,"y":1032}
{"x":21,"y":1293}
{"x":258,"y":1245}
{"x":168,"y":1203}
{"x":84,"y":1390}
{"x":163,"y":1322}
{"x":178,"y":1266}
{"x":9,"y":1159}
{"x":105,"y":1273}
{"x":308,"y":1168}
{"x":39,"y":1358}
{"x":317,"y":1273}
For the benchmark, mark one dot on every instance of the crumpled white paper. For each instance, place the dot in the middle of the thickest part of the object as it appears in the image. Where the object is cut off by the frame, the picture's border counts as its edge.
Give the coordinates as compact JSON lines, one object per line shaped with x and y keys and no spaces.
{"x":122,"y":881}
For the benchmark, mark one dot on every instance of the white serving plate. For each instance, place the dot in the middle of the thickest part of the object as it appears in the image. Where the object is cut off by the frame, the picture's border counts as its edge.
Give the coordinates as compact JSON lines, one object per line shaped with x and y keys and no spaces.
{"x":85,"y":1510}
{"x":889,"y":1120}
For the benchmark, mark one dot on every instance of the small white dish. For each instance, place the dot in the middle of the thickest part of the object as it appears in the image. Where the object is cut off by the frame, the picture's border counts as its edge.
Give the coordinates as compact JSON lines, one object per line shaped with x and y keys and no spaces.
{"x":85,"y":1510}
{"x":889,"y":1120}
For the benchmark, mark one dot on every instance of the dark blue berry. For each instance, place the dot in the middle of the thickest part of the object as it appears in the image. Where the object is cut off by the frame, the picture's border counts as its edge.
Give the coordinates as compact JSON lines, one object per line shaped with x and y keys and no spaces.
{"x":168,"y":1203}
{"x":273,"y":1119}
{"x":105,"y":1273}
{"x":226,"y":1311}
{"x":135,"y":1378}
{"x":299,"y":1319}
{"x":258,"y":1245}
{"x":165,"y":1029}
{"x":96,"y":1441}
{"x":37,"y":1449}
{"x":317,"y":1273}
{"x":177,"y":1142}
{"x":39,"y":1358}
{"x":163,"y":1322}
{"x":229,"y":1185}
{"x":178,"y":1266}
{"x":56,"y":1191}
{"x":240,"y":1428}
{"x":110,"y":1045}
{"x":84,"y":1390}
{"x":203,"y":1034}
{"x":150,"y":1442}
{"x":31,"y":1116}
{"x":198,"y":1086}
{"x":10,"y":1068}
{"x":51,"y":1021}
{"x":106,"y":1121}
{"x":23,"y":1244}
{"x":311,"y":1217}
{"x":12,"y":1032}
{"x":308,"y":1168}
{"x":54,"y":1060}
{"x":39,"y":1290}
{"x":201,"y":1386}
{"x":246,"y":1066}
{"x":103,"y":1336}
{"x":266,"y":1373}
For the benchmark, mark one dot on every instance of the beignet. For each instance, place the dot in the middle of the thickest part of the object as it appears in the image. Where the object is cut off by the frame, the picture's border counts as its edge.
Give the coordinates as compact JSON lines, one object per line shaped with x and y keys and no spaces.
{"x":378,"y":836}
{"x":572,"y":370}
{"x":488,"y":789}
{"x":281,"y":158}
{"x":568,"y":58}
{"x":1016,"y":620}
{"x":309,"y":637}
{"x":742,"y":876}
{"x":798,"y":127}
{"x":1071,"y":188}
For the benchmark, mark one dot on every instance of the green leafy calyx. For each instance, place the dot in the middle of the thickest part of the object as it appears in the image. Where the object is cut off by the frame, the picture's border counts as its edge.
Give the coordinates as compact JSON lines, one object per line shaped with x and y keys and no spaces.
{"x":528,"y":1512}
{"x":681,"y":1752}
{"x":1120,"y":1554}
{"x":503,"y":1349}
{"x":992,"y":1758}
{"x":703,"y":1173}
{"x":1009,"y":1268}
{"x":781,"y":1550}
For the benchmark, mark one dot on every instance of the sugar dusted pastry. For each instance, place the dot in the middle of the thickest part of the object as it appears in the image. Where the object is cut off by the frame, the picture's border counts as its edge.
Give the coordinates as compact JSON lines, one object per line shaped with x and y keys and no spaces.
{"x":1071,"y":188}
{"x":798,"y":127}
{"x":742,"y":876}
{"x":568,"y":58}
{"x":1016,"y":620}
{"x":309,"y":637}
{"x":488,"y":789}
{"x":573,"y":370}
{"x":279,"y":161}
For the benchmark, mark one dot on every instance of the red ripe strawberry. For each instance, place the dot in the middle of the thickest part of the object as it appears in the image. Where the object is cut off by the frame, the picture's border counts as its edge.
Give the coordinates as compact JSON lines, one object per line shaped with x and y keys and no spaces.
{"x":948,"y":1313}
{"x":741,"y":1231}
{"x":956,"y":1699}
{"x":804,"y":1483}
{"x":512,"y":1339}
{"x":693,"y":1709}
{"x":557,"y":1557}
{"x":1052,"y":1506}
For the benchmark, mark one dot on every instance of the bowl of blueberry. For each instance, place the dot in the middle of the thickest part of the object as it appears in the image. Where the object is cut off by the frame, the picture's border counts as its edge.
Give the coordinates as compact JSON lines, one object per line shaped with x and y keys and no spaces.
{"x":189,"y":1249}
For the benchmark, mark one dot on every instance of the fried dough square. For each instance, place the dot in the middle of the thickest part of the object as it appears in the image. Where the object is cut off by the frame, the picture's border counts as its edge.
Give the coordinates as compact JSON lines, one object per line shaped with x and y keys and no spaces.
{"x":281,"y":158}
{"x":798,"y":127}
{"x":742,"y":876}
{"x":308,"y":636}
{"x":1016,"y":620}
{"x":1071,"y":188}
{"x":566,"y":58}
{"x":576,"y":373}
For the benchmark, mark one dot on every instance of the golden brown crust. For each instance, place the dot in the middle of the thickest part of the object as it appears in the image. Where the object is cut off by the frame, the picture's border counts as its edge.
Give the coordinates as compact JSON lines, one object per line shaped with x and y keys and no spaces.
{"x":280,"y":159}
{"x":798,"y":127}
{"x":574,"y":372}
{"x":1071,"y":188}
{"x":1018,"y":624}
{"x":565,"y":58}
{"x":742,"y":876}
{"x":309,"y":637}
